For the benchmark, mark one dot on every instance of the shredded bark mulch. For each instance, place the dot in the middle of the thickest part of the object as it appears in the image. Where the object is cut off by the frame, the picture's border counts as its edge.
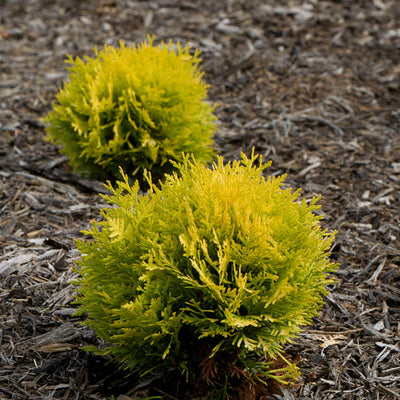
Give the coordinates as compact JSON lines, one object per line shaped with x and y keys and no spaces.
{"x":312,"y":85}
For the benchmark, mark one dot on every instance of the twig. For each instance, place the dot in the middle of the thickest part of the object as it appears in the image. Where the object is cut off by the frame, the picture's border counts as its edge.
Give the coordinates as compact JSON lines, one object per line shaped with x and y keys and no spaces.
{"x":387,"y":390}
{"x":334,"y":127}
{"x":375,"y":275}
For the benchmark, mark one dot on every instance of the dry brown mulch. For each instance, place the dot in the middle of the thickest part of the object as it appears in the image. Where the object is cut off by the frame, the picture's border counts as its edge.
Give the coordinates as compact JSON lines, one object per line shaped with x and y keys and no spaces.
{"x":312,"y":85}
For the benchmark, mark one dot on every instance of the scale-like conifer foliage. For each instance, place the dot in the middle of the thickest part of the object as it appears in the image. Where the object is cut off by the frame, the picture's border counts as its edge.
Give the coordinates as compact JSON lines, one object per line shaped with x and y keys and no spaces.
{"x":216,"y":264}
{"x":134,"y":107}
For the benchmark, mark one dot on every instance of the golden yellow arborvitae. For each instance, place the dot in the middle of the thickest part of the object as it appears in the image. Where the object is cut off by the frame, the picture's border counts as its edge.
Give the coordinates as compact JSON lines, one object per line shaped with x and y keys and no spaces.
{"x":220,"y":259}
{"x":136,"y":107}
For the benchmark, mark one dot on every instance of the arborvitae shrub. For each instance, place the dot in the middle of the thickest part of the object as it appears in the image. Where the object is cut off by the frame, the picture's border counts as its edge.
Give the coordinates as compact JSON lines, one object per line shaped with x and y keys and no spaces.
{"x":213,"y":270}
{"x":136,"y":107}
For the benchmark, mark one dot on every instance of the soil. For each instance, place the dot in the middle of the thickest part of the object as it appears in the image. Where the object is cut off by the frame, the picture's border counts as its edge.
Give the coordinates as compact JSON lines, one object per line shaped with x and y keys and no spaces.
{"x":312,"y":85}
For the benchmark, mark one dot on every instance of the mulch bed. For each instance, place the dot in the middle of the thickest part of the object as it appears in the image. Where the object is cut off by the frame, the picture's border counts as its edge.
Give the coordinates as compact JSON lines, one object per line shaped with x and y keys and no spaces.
{"x":312,"y":85}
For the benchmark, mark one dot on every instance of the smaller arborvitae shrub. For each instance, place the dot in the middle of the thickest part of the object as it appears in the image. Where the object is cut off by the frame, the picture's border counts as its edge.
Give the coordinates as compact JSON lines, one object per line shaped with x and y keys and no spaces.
{"x":209,"y":274}
{"x":134,"y":107}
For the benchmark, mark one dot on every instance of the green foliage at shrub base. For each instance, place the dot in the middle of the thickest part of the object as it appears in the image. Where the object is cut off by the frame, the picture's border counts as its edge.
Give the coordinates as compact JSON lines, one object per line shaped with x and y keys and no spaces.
{"x":136,"y":107}
{"x":220,"y":259}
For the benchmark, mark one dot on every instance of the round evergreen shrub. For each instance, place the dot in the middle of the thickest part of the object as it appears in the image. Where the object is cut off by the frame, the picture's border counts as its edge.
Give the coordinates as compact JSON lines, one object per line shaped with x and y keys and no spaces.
{"x":136,"y":107}
{"x":215,"y":270}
